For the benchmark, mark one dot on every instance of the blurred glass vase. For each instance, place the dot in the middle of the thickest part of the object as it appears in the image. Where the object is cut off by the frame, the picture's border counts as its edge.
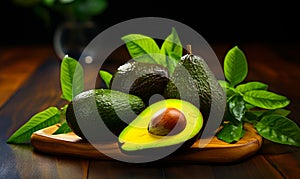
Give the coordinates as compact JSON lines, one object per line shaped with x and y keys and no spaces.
{"x":71,"y":37}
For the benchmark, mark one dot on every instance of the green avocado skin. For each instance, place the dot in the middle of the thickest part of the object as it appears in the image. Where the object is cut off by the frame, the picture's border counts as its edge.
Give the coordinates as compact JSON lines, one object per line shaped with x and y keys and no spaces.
{"x":116,"y":109}
{"x":193,"y":81}
{"x":141,"y":79}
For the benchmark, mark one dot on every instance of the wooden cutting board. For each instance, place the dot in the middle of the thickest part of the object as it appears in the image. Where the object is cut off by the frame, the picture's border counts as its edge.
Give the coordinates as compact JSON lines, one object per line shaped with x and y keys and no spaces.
{"x":216,"y":151}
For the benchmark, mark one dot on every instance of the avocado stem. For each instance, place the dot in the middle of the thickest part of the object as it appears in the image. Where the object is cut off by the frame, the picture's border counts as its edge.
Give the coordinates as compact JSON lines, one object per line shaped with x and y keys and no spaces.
{"x":189,"y":48}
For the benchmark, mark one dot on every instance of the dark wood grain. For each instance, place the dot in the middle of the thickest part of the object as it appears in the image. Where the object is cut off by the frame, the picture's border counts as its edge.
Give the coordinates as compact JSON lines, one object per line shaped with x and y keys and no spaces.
{"x":104,"y":169}
{"x":25,"y":92}
{"x":36,"y":94}
{"x":287,"y":164}
{"x":29,"y":164}
{"x":17,"y":64}
{"x":257,"y":167}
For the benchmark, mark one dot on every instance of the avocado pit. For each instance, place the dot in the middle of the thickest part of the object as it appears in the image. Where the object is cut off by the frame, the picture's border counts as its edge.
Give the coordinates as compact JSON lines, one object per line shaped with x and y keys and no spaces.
{"x":168,"y":121}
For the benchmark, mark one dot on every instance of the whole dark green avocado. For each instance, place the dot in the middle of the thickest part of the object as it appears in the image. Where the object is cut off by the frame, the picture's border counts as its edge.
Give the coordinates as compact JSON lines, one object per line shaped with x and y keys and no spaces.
{"x":115,"y":108}
{"x":193,"y":81}
{"x":141,"y":79}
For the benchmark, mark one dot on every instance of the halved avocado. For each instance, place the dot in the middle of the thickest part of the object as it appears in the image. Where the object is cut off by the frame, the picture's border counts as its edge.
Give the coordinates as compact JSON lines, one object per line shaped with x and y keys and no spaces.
{"x":136,"y":136}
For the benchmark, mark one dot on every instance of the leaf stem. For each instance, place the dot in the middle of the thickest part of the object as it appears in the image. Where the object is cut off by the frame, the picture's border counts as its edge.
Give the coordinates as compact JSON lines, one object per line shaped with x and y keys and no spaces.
{"x":189,"y":48}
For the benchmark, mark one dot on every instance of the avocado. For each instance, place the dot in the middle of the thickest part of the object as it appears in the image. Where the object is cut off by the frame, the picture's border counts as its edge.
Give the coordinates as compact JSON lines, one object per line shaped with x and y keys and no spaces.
{"x":115,"y":108}
{"x":140,"y":79}
{"x":182,"y":120}
{"x":193,"y":81}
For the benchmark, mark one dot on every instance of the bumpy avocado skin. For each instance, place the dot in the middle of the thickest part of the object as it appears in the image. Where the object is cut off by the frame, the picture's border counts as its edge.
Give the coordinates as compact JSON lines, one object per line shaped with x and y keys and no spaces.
{"x":141,"y":79}
{"x":111,"y":105}
{"x":200,"y":79}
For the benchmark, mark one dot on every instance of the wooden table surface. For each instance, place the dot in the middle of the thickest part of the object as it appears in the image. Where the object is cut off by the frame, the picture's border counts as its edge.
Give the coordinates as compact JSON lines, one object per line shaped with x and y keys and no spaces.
{"x":29,"y":83}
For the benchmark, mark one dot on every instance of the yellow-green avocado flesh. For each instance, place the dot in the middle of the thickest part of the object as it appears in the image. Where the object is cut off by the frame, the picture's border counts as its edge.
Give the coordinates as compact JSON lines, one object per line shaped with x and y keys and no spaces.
{"x":136,"y":136}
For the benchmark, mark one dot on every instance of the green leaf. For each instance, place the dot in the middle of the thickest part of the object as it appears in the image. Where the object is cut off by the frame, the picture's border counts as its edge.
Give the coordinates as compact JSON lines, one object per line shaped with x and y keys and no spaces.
{"x":172,"y":45}
{"x":249,"y":106}
{"x":279,"y":129}
{"x":171,"y":61}
{"x":282,"y":112}
{"x":251,"y":86}
{"x":106,"y":77}
{"x":256,"y":115}
{"x":250,"y":117}
{"x":63,"y":111}
{"x":230,"y":91}
{"x":235,"y":66}
{"x":63,"y":129}
{"x":231,"y":133}
{"x":143,"y":49}
{"x":71,"y":78}
{"x":172,"y":49}
{"x":260,"y":113}
{"x":237,"y":107}
{"x":39,"y":121}
{"x":224,"y":84}
{"x":265,"y":99}
{"x":228,"y":117}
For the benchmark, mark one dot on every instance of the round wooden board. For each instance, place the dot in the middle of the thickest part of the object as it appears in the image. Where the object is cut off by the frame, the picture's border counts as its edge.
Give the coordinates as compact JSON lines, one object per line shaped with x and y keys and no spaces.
{"x":216,"y":151}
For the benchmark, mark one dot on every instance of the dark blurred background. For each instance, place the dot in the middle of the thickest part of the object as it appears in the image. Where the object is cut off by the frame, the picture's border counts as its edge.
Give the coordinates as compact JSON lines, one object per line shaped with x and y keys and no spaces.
{"x":217,"y":21}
